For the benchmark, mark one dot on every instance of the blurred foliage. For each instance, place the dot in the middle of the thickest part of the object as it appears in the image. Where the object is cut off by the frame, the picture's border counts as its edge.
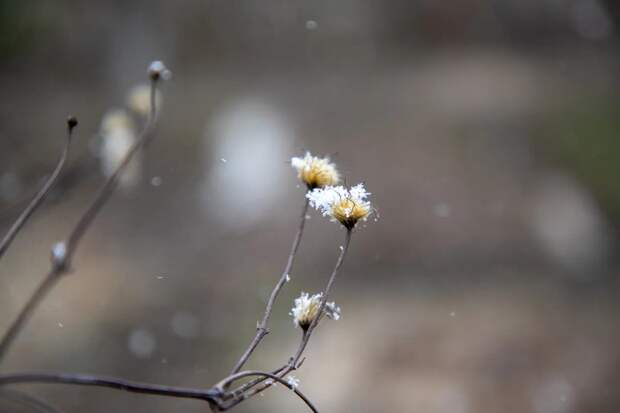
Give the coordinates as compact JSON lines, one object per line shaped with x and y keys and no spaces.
{"x":22,"y":25}
{"x":584,"y":138}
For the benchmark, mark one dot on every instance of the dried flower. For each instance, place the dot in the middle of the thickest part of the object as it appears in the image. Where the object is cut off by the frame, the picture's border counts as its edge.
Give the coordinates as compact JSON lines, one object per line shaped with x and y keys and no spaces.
{"x":315,"y":172}
{"x":72,"y":122}
{"x":307,"y":307}
{"x":139,"y":99}
{"x":346,"y":206}
{"x":157,"y":70}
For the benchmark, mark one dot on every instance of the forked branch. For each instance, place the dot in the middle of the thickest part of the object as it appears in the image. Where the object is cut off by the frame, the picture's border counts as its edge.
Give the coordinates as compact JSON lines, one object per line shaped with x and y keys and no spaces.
{"x":64,"y":251}
{"x":346,"y":206}
{"x":261,"y":328}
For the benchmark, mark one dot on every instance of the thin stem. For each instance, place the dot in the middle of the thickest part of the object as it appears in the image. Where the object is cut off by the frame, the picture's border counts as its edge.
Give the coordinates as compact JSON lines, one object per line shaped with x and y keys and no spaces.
{"x":209,"y":395}
{"x":248,"y":390}
{"x":62,"y":263}
{"x":250,"y":373}
{"x":250,"y":384}
{"x":261,"y":328}
{"x":111,"y":183}
{"x":330,"y":283}
{"x":26,"y":312}
{"x":41,"y":195}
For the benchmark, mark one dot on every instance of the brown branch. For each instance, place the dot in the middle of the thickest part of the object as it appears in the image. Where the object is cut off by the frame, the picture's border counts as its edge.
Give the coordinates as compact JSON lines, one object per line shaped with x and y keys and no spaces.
{"x":218,"y":398}
{"x":250,"y":373}
{"x":24,"y":315}
{"x":249,"y":389}
{"x":212,"y":395}
{"x":42,"y":194}
{"x":111,"y":183}
{"x":63,"y":252}
{"x":261,"y":328}
{"x":306,"y":336}
{"x":242,"y":389}
{"x":209,"y":395}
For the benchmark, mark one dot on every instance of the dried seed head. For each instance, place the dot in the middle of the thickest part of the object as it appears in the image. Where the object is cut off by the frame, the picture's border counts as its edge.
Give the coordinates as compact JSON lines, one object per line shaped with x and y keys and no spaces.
{"x":346,"y":206}
{"x":72,"y":122}
{"x":315,"y":172}
{"x":157,"y":70}
{"x":307,"y":307}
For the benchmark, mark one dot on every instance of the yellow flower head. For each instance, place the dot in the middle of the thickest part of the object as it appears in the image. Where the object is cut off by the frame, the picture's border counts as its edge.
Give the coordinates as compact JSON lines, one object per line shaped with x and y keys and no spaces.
{"x":346,"y":206}
{"x":315,"y":172}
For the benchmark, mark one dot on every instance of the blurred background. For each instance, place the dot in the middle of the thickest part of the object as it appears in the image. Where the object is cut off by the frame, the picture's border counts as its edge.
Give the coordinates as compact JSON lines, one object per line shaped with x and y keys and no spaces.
{"x":485,"y":130}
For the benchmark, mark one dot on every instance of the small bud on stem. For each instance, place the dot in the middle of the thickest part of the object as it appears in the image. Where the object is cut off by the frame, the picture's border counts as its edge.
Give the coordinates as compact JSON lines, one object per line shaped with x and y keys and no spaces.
{"x":59,"y":256}
{"x":72,"y":122}
{"x":157,"y":70}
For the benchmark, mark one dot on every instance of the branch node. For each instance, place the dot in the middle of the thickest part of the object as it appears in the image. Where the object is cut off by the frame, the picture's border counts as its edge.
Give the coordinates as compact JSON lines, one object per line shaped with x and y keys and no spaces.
{"x":59,"y":257}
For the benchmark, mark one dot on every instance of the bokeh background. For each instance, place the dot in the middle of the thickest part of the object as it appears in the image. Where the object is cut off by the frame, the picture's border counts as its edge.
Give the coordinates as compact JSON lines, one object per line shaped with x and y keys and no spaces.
{"x":487,"y":132}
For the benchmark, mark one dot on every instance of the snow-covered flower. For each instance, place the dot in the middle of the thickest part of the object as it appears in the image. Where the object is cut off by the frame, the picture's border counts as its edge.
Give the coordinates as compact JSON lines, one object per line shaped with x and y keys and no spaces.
{"x":341,"y":204}
{"x":118,"y":136}
{"x":139,"y":99}
{"x":315,"y":172}
{"x":293,"y":382}
{"x":158,"y":70}
{"x":306,"y":309}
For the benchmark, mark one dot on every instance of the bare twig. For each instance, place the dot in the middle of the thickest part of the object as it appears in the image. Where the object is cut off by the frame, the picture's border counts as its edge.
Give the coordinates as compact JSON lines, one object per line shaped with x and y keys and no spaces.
{"x":209,"y":395}
{"x":212,"y":395}
{"x":249,"y":389}
{"x":40,"y":196}
{"x":218,"y":396}
{"x":111,"y":183}
{"x":33,"y":302}
{"x":250,"y":373}
{"x":261,"y":328}
{"x":306,"y":336}
{"x":61,"y":260}
{"x":250,"y":384}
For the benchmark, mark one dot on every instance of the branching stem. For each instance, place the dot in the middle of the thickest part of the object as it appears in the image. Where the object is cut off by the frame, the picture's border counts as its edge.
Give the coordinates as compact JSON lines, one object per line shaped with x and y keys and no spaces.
{"x":218,"y":396}
{"x":209,"y":395}
{"x":61,"y":265}
{"x":261,"y":328}
{"x":249,"y":389}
